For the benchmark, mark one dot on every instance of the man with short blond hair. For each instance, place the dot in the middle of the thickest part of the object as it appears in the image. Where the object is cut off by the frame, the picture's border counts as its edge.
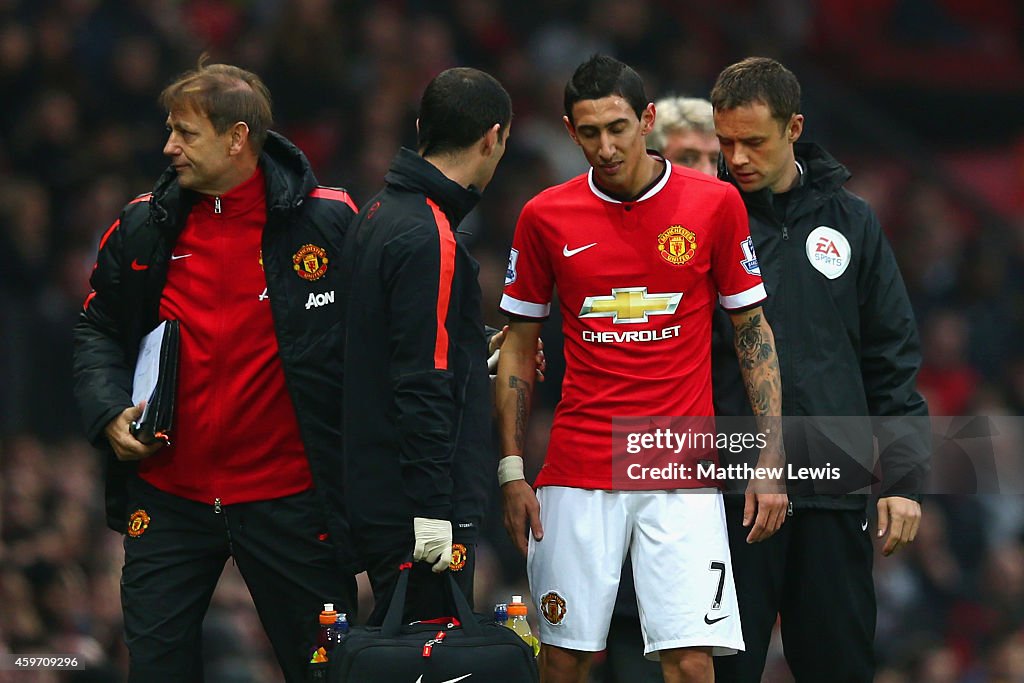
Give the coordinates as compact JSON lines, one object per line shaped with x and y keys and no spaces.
{"x":684,"y":132}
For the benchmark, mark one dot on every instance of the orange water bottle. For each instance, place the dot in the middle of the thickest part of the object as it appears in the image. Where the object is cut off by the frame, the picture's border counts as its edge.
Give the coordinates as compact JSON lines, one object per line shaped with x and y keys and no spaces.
{"x":518,"y":623}
{"x":328,"y":617}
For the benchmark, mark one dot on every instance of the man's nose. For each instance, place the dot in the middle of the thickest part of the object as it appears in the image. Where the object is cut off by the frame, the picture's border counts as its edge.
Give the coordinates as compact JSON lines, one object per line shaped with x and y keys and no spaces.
{"x":171,"y":147}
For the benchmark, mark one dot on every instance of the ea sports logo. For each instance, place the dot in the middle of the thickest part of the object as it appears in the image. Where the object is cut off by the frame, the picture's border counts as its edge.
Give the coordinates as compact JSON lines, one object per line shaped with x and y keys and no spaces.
{"x":829,"y":251}
{"x":827,"y":247}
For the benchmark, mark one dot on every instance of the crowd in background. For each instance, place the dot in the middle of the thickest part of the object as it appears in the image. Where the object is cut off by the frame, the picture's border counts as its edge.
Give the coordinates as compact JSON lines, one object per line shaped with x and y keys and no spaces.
{"x":920,"y":98}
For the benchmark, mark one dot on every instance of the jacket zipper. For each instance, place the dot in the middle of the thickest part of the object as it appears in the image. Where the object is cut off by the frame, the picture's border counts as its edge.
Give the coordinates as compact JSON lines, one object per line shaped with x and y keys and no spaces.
{"x":219,"y":510}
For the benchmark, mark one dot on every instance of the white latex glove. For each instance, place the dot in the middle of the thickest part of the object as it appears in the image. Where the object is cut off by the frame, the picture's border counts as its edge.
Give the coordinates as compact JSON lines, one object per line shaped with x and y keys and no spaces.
{"x":492,"y":362}
{"x":433,"y":542}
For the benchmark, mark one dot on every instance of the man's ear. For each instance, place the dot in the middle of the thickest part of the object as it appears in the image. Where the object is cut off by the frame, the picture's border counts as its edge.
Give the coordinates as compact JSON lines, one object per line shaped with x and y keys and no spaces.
{"x":647,"y":119}
{"x":490,"y":140}
{"x":239,"y":137}
{"x":795,"y":128}
{"x":571,"y":129}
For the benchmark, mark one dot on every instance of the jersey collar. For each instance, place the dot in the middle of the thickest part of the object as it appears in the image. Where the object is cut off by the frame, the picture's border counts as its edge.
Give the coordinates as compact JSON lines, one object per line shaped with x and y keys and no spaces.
{"x":654,"y":189}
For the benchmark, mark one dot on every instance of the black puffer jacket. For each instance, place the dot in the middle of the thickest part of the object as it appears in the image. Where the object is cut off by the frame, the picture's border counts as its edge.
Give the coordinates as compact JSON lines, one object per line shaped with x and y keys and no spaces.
{"x":845,"y":333}
{"x":125,"y":303}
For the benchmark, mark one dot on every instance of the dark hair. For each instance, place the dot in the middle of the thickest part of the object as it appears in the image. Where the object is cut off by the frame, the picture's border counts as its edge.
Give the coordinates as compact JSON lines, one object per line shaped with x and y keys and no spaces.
{"x":758,"y":79}
{"x":458,"y":107}
{"x":226,"y":95}
{"x":603,"y":76}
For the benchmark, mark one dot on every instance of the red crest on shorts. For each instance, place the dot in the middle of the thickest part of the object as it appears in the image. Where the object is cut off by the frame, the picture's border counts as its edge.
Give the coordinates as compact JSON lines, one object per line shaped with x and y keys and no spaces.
{"x":552,"y":606}
{"x":138,"y":523}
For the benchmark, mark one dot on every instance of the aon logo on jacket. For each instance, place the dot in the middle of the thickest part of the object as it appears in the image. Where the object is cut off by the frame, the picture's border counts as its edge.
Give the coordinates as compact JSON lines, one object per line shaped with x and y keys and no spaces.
{"x":318,"y":300}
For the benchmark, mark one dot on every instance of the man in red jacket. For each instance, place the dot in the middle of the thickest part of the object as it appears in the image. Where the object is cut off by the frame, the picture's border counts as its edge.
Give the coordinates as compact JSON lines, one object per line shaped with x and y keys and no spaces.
{"x":237,"y":242}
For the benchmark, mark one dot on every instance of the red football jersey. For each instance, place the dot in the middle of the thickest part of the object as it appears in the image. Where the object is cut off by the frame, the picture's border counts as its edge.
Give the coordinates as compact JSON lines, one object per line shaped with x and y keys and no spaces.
{"x":637,"y":284}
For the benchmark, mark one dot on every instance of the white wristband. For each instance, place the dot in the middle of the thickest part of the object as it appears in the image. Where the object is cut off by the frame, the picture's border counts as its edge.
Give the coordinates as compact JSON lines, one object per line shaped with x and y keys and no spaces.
{"x":510,"y":468}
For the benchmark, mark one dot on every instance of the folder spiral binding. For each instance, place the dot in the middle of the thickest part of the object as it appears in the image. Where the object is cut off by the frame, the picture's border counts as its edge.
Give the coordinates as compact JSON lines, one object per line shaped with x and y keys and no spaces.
{"x":156,"y":382}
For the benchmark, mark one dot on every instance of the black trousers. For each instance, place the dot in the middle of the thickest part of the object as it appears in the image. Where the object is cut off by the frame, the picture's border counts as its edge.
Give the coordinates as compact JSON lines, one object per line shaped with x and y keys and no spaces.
{"x":171,"y":570}
{"x":815,"y":575}
{"x":428,"y":594}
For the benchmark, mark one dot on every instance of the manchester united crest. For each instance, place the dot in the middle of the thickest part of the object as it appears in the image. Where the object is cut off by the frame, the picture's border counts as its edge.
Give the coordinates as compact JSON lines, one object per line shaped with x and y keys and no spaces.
{"x":458,"y":557}
{"x":552,"y":606}
{"x":677,"y":245}
{"x":310,"y":262}
{"x":138,"y":523}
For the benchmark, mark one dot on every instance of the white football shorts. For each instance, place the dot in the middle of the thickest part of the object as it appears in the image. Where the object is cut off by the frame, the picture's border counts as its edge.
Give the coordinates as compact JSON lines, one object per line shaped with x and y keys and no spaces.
{"x":681,"y":568}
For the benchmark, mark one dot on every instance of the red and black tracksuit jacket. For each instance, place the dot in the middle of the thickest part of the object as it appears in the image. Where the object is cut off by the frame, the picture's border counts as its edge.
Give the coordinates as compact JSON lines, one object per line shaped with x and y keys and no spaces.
{"x":128,"y":283}
{"x":417,"y":406}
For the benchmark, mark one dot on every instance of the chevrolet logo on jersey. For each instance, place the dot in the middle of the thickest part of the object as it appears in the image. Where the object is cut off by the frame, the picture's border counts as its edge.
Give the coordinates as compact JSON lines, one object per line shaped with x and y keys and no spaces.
{"x":630,"y":305}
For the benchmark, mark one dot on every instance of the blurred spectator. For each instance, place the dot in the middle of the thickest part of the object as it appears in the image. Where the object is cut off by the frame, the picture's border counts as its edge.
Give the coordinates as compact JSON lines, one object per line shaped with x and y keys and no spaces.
{"x":946,"y":378}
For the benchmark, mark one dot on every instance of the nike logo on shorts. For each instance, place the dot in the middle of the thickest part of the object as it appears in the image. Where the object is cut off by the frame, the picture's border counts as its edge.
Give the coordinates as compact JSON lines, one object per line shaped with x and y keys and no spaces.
{"x":567,"y":252}
{"x":711,"y":622}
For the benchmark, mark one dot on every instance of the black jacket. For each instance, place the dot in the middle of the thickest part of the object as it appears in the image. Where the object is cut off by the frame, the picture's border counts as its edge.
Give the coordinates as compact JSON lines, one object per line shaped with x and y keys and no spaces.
{"x":417,"y":404}
{"x":125,"y":303}
{"x":847,"y":345}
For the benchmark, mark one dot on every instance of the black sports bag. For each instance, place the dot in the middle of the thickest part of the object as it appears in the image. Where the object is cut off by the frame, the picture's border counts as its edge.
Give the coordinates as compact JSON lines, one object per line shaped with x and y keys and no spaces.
{"x":470,"y":648}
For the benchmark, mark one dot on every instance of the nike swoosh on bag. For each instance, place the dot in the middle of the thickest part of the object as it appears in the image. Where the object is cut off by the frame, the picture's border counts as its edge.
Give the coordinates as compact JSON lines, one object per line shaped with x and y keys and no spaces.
{"x":138,"y":266}
{"x":709,"y":622}
{"x":567,"y":252}
{"x":450,"y":680}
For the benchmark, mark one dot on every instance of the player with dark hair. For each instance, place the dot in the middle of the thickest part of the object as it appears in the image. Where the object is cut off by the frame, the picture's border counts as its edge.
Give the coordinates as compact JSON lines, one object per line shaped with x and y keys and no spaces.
{"x":641,"y":252}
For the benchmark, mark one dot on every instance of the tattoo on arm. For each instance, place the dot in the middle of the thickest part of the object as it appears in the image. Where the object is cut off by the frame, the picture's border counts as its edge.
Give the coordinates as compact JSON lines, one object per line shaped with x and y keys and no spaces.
{"x":759,"y":365}
{"x":522,"y":389}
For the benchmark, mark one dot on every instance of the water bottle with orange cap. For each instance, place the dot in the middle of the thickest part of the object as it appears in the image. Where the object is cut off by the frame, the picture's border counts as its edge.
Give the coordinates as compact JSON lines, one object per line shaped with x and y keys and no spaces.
{"x":518,"y":623}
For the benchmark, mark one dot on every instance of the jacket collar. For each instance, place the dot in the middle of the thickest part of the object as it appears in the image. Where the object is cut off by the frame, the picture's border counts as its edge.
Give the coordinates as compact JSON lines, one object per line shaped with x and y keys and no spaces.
{"x":821,"y":175}
{"x":289,"y":180}
{"x":412,"y":172}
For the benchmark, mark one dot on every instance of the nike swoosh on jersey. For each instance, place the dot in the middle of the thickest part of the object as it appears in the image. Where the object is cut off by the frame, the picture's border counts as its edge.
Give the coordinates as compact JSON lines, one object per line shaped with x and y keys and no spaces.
{"x":709,"y":622}
{"x":567,"y":252}
{"x":138,"y":266}
{"x":175,"y":257}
